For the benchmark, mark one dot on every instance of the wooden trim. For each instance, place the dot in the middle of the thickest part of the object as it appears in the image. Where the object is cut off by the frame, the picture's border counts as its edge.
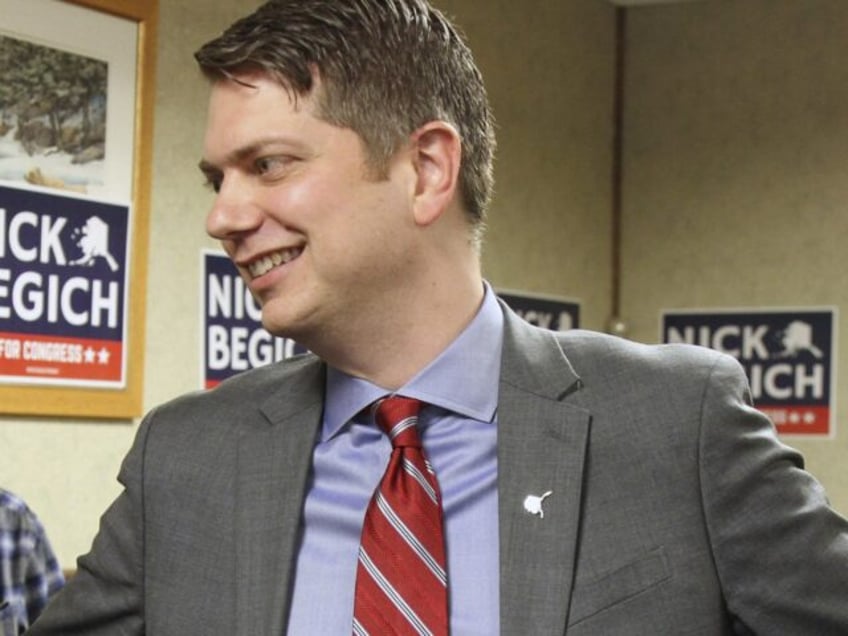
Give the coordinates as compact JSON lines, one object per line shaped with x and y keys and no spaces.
{"x":126,"y":402}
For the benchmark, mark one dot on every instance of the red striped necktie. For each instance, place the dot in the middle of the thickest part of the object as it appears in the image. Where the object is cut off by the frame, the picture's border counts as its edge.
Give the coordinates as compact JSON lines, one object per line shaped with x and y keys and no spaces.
{"x":401,"y":579}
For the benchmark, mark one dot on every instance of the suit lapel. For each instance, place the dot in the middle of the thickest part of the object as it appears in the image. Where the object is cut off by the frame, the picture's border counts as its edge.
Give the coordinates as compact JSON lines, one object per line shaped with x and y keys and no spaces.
{"x":542,"y":442}
{"x":274,"y":458}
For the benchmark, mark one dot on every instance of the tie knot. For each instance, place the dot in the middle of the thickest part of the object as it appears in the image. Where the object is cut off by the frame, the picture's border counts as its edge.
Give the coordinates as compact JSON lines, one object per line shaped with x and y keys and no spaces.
{"x":398,"y":417}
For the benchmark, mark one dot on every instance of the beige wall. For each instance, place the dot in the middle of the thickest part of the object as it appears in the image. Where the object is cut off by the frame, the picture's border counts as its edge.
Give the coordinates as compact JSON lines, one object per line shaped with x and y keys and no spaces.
{"x":549,"y":72}
{"x":733,"y":138}
{"x":736,"y":170}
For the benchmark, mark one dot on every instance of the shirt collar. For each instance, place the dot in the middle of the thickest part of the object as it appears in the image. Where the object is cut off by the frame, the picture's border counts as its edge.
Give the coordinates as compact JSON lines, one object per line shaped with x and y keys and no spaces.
{"x":460,"y":379}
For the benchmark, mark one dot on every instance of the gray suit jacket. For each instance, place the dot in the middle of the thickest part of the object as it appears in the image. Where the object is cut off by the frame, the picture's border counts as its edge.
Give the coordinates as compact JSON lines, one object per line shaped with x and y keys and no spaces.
{"x":674,"y":509}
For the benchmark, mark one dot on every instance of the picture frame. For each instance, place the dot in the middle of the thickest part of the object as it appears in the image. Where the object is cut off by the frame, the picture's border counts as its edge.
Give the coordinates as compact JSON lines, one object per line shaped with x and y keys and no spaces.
{"x":118,"y":177}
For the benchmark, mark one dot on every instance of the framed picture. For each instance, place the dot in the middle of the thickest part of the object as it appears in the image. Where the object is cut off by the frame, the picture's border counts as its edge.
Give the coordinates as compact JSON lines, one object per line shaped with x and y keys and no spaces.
{"x":76,"y":121}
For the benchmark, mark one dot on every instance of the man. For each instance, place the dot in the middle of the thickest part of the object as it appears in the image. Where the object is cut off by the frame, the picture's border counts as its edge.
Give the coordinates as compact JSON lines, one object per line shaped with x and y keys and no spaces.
{"x":589,"y":485}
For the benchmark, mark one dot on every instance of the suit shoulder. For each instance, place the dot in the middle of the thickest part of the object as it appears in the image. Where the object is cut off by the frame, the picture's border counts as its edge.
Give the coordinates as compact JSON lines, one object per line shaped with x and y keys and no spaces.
{"x":250,"y":387}
{"x":590,"y":350}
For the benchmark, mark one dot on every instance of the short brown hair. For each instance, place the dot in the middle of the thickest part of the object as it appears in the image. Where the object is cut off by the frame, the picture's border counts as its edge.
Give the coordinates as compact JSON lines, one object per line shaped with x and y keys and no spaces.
{"x":386,"y":67}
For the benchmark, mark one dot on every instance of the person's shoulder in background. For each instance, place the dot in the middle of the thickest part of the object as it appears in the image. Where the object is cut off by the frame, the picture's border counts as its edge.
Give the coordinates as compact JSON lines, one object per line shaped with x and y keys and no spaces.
{"x":29,"y":572}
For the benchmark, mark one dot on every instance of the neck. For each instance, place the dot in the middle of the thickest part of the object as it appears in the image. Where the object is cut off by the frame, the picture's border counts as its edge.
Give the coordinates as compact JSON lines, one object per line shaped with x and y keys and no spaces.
{"x":391,"y":350}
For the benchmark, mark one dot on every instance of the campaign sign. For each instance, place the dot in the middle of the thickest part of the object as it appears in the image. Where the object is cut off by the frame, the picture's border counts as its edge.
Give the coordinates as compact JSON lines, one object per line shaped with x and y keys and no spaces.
{"x":547,"y":312}
{"x":63,"y":288}
{"x":233,"y":337}
{"x":787,"y":354}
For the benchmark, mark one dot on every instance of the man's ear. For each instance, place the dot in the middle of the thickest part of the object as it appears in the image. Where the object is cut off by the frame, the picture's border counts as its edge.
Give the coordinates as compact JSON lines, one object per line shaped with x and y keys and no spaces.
{"x":437,"y":151}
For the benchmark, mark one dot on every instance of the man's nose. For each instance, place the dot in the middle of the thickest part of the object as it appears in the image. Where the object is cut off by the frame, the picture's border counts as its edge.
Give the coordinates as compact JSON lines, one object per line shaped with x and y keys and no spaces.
{"x":234,"y":212}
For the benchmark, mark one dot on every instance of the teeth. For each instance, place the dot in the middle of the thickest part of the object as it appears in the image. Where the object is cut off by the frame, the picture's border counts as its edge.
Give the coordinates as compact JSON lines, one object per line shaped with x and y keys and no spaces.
{"x":265,"y":264}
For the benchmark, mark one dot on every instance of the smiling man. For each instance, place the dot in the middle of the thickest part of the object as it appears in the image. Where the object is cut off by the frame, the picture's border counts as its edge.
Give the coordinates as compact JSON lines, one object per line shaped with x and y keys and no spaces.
{"x":434,"y":465}
{"x":330,"y":243}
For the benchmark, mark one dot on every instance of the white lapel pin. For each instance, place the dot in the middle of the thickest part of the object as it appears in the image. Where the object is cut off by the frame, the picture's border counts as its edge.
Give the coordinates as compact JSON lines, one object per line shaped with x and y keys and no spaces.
{"x":533,"y":504}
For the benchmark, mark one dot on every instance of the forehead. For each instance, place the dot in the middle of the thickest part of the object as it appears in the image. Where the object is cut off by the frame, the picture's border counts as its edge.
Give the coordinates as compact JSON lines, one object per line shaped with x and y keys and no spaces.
{"x":255,"y":90}
{"x":247,"y":104}
{"x":253,"y":114}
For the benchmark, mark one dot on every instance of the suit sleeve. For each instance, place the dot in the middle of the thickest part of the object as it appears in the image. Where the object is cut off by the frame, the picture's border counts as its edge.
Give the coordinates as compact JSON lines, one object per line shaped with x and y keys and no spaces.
{"x":780,"y":550}
{"x":105,"y":597}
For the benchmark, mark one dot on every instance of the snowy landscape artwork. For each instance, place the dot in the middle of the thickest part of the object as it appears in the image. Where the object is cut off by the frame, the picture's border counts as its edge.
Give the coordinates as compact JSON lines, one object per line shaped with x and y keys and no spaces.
{"x":53,"y":107}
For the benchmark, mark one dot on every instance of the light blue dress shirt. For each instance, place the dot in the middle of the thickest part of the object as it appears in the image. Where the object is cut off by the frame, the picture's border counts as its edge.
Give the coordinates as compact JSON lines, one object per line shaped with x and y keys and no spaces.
{"x":459,"y":435}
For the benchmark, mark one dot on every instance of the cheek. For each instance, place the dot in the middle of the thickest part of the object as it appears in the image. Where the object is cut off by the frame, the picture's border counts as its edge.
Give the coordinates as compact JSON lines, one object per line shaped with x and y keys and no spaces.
{"x":321,"y":209}
{"x":289,"y":203}
{"x":344,"y":218}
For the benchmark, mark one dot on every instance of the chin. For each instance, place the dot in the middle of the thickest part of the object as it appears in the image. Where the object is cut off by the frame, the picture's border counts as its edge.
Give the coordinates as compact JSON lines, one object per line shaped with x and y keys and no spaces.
{"x":282,"y":326}
{"x":281,"y":329}
{"x":299,"y":321}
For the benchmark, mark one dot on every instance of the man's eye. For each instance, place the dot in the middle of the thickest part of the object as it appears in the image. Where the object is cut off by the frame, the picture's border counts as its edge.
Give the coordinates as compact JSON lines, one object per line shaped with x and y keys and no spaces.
{"x":270,"y":166}
{"x":213,"y":183}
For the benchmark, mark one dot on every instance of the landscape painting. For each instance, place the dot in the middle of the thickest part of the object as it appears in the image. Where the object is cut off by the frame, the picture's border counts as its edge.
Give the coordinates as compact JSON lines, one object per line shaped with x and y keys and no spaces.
{"x":53,"y":106}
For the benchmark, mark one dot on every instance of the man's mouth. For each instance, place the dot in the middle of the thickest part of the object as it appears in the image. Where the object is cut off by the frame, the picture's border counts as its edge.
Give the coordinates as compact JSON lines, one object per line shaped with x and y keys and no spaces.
{"x":268,"y":262}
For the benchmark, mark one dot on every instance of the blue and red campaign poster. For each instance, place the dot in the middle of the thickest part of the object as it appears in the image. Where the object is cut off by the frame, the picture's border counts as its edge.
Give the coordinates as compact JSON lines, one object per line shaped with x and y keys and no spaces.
{"x":233,"y":337}
{"x":63,"y":288}
{"x":549,"y":312}
{"x":788,"y":355}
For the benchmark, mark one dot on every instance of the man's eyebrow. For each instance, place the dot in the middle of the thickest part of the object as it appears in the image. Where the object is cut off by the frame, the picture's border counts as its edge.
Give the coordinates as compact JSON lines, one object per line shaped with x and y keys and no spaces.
{"x":234,"y":157}
{"x":240,"y":154}
{"x":206,"y":167}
